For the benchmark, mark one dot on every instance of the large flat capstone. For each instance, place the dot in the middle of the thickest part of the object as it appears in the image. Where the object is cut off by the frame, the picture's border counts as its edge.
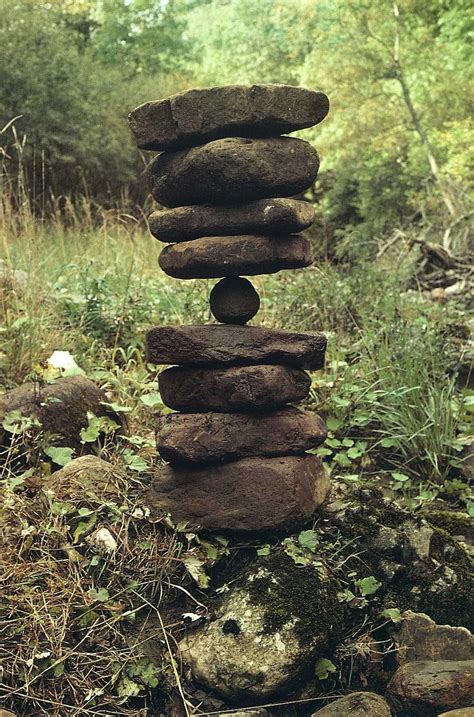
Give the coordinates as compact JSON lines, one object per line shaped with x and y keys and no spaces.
{"x":211,"y":437}
{"x":214,"y":257}
{"x":250,"y":495}
{"x":237,"y":388}
{"x":199,"y":115}
{"x":234,"y":170}
{"x":264,"y":216}
{"x":204,"y":345}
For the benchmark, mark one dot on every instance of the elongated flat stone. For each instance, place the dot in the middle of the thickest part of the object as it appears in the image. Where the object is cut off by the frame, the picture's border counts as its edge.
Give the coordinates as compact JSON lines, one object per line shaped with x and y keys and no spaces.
{"x":237,"y":388}
{"x":199,"y":115}
{"x":204,"y":345}
{"x":264,"y":216}
{"x":214,"y":257}
{"x":234,"y":170}
{"x":250,"y":495}
{"x":213,"y":437}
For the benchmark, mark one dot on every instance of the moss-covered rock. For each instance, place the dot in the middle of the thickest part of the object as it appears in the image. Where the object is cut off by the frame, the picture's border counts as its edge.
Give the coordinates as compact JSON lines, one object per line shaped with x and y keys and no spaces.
{"x":266,"y":631}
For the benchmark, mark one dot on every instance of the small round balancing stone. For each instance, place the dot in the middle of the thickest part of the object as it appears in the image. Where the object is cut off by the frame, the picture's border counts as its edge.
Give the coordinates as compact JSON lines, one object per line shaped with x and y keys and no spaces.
{"x":234,"y":300}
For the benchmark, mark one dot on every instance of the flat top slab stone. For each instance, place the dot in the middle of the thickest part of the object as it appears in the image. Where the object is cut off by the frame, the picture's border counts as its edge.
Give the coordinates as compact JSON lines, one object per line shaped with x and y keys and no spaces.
{"x":215,"y":257}
{"x":226,"y":344}
{"x":250,"y":495}
{"x":212,"y":437}
{"x":199,"y":115}
{"x":263,"y":216}
{"x":234,"y":388}
{"x":234,"y":170}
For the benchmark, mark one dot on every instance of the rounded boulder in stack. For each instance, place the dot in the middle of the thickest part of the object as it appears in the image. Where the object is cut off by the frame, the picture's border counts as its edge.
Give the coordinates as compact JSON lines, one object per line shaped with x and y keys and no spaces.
{"x":234,"y":301}
{"x":264,"y":216}
{"x":255,"y":494}
{"x":213,"y":257}
{"x":201,"y":115}
{"x":238,"y":388}
{"x":234,"y":170}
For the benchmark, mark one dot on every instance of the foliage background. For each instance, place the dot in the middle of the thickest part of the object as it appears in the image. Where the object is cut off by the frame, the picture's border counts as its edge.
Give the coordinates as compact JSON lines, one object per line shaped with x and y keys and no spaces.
{"x":395,"y":146}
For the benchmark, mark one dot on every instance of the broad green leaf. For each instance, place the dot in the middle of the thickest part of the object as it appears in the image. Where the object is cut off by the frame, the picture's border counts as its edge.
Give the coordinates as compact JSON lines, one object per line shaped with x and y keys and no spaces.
{"x":308,"y":539}
{"x":393,"y":613}
{"x":368,"y":586}
{"x":264,"y":550}
{"x":60,"y":456}
{"x":323,"y":668}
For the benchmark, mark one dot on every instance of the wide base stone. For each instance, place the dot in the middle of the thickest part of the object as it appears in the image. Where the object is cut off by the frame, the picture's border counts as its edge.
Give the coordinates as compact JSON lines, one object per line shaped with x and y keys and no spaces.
{"x":264,"y":216}
{"x":234,"y":170}
{"x":214,"y":257}
{"x":238,"y":388}
{"x":253,"y":495}
{"x":204,"y":345}
{"x":199,"y":115}
{"x":212,"y":437}
{"x":357,"y":704}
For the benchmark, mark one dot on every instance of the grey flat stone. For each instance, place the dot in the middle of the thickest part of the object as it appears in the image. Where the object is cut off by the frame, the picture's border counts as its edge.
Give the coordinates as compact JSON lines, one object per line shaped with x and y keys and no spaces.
{"x":199,"y":115}
{"x":225,"y":344}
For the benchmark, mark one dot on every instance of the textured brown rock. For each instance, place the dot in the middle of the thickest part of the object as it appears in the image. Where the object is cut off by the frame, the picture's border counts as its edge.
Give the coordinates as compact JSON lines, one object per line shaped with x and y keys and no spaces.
{"x":462,"y":712}
{"x":234,"y":300}
{"x":204,"y":345}
{"x":357,"y":704}
{"x":213,"y":257}
{"x":211,"y":437}
{"x":238,"y":388}
{"x":234,"y":170}
{"x":427,"y":688}
{"x":264,"y":216}
{"x":199,"y":115}
{"x":250,"y":495}
{"x":418,"y":637}
{"x":60,"y":407}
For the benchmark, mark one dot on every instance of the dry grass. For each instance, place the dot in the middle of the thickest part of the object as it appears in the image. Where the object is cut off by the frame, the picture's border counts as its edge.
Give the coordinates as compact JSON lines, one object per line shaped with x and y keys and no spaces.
{"x":75,"y":634}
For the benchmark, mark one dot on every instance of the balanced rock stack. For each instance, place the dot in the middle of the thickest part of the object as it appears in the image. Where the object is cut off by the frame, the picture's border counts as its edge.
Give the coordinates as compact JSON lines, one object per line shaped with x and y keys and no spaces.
{"x":236,"y":448}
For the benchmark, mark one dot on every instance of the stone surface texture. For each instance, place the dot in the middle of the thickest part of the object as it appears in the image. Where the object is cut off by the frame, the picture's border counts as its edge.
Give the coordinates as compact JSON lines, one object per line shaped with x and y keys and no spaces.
{"x":263,"y":216}
{"x":200,"y":115}
{"x":206,"y":437}
{"x":234,"y":300}
{"x":357,"y":704}
{"x":234,"y":170}
{"x":240,"y":653}
{"x":204,"y":345}
{"x":250,"y":495}
{"x":214,"y":257}
{"x":418,"y":637}
{"x":61,"y":407}
{"x":462,"y":712}
{"x":237,"y":388}
{"x":427,"y":688}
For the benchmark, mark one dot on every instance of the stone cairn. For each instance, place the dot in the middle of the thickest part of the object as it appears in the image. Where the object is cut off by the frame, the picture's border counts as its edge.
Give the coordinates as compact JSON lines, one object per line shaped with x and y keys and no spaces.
{"x":236,"y":448}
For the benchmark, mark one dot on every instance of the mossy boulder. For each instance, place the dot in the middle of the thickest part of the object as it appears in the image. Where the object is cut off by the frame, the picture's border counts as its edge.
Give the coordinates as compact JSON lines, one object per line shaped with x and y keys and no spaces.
{"x":267,"y":629}
{"x":419,"y":566}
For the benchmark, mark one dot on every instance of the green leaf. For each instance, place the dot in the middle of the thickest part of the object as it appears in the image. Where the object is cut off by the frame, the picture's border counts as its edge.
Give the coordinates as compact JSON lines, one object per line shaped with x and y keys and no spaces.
{"x":368,"y":586}
{"x":60,"y":456}
{"x":83,"y":527}
{"x":393,"y":613}
{"x":117,"y":407}
{"x":295,"y":552}
{"x":388,"y":442}
{"x":152,"y":400}
{"x":264,"y":550}
{"x":100,"y":595}
{"x":195,"y":568}
{"x":308,"y":539}
{"x":134,"y":462}
{"x":333,"y":423}
{"x":400,"y":477}
{"x":127,"y":687}
{"x":343,"y":460}
{"x":323,"y":668}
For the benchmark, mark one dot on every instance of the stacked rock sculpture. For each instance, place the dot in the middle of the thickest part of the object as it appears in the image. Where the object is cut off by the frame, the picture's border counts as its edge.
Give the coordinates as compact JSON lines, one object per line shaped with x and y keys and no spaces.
{"x":236,"y":447}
